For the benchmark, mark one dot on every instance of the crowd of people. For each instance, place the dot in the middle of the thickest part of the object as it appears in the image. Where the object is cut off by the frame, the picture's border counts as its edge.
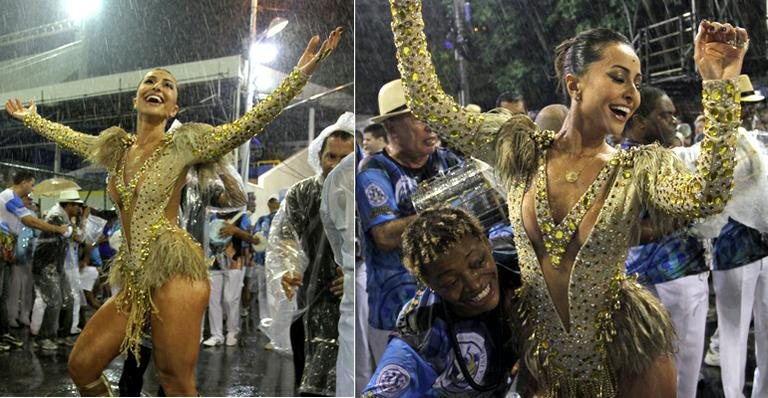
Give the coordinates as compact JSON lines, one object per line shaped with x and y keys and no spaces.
{"x":615,"y":234}
{"x":578,"y":265}
{"x":184,"y":243}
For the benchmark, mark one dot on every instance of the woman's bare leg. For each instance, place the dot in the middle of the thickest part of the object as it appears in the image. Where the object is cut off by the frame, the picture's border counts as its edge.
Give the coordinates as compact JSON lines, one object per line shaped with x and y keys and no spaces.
{"x":97,"y":345}
{"x":181,"y":303}
{"x":660,"y":380}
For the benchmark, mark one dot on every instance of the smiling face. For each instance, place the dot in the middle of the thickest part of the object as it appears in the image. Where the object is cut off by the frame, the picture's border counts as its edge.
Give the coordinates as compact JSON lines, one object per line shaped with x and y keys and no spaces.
{"x":608,"y":89}
{"x":465,"y":277}
{"x":157,"y":95}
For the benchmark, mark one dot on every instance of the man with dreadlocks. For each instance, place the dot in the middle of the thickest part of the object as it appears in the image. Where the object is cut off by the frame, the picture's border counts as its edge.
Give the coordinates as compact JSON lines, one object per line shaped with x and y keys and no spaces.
{"x":455,"y":311}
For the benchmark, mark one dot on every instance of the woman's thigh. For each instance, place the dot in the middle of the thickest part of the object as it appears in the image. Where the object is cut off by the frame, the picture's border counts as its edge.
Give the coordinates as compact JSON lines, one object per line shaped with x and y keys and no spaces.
{"x":181,"y":303}
{"x":98,"y":343}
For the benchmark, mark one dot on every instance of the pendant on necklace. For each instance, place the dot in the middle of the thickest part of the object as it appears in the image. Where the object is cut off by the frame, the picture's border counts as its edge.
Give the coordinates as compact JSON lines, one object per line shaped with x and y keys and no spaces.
{"x":572,"y":176}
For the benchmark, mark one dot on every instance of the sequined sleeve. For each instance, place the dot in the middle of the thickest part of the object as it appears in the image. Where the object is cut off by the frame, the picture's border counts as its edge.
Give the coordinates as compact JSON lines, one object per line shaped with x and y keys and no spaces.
{"x":706,"y":191}
{"x":424,"y":94}
{"x":79,"y":143}
{"x":226,"y":137}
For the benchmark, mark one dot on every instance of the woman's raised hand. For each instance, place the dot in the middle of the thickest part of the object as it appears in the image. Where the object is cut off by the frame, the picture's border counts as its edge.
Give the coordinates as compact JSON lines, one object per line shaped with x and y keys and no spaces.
{"x":311,"y":59}
{"x":719,"y":50}
{"x":17,"y":110}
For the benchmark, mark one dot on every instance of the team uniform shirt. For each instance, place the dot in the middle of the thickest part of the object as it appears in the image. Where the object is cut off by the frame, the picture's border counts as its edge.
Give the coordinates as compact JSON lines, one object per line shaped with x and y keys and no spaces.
{"x":217,"y":249}
{"x":421,"y":360}
{"x":263,"y":224}
{"x":383,"y":190}
{"x":738,"y":245}
{"x":12,"y":210}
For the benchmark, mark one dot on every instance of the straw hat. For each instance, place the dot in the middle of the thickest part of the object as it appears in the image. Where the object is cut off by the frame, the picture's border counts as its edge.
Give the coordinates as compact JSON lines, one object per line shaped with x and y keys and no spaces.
{"x":69,"y":196}
{"x":748,"y":93}
{"x":391,"y":101}
{"x":474,"y":108}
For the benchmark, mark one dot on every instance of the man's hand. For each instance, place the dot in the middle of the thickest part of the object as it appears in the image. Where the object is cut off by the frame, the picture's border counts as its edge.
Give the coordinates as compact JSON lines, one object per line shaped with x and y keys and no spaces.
{"x":290,"y":282}
{"x":65,"y":230}
{"x":228,"y":230}
{"x":337,"y":287}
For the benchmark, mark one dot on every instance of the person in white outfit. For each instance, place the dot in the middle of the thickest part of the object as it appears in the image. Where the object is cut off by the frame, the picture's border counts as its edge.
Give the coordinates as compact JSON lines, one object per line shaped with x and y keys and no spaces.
{"x":337,"y":212}
{"x":230,"y":251}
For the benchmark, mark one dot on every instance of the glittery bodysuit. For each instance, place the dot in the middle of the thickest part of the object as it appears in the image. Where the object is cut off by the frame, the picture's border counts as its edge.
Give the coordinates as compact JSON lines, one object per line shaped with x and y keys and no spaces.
{"x":613,"y":330}
{"x":158,"y":249}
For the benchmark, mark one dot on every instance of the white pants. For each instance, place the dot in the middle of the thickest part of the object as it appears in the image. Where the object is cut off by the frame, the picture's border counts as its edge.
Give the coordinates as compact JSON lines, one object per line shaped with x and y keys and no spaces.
{"x":740,"y":293}
{"x":345,"y":359}
{"x":38,"y":310}
{"x":364,"y":362}
{"x":687,"y":300}
{"x":73,"y":277}
{"x":226,"y":287}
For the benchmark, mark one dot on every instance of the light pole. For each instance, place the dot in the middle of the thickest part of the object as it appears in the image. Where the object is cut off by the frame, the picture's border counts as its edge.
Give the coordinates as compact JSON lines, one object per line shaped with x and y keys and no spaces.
{"x":459,"y":8}
{"x":275,"y":26}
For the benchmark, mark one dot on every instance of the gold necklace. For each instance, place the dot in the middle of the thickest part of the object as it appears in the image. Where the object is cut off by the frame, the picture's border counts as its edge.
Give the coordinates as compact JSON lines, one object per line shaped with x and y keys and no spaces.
{"x":556,"y":236}
{"x":573,"y":175}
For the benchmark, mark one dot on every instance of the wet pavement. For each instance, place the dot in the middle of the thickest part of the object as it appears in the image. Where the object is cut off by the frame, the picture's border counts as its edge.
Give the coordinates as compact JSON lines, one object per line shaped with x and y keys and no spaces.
{"x":243,"y":370}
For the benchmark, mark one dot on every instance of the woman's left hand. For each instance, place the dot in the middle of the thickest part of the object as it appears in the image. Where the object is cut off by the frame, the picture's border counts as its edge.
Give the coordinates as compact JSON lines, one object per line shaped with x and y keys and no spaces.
{"x":719,"y":50}
{"x":311,"y":59}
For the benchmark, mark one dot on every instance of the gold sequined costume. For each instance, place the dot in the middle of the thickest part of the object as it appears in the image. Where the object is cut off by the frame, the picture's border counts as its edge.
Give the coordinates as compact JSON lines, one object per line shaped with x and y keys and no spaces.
{"x":617,"y":329}
{"x":158,"y":248}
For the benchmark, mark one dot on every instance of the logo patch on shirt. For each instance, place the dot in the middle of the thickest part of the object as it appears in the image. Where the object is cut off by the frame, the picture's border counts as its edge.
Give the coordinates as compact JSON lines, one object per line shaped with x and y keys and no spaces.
{"x":392,"y":380}
{"x":376,"y":196}
{"x":474,"y":357}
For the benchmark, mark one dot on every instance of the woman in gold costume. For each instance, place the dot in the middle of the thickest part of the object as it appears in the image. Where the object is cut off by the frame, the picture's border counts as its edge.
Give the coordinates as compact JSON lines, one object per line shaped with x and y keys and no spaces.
{"x":160,"y":268}
{"x":585,"y":329}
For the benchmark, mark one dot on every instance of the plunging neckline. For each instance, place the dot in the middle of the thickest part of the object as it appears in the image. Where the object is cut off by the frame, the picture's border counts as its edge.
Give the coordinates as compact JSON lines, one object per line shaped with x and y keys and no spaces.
{"x":557,"y":235}
{"x":127,"y":190}
{"x":611,"y":166}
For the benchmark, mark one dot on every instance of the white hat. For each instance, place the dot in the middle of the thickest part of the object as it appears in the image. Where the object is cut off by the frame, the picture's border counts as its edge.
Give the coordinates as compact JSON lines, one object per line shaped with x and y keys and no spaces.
{"x":748,"y":93}
{"x":391,"y":101}
{"x":474,"y":108}
{"x":69,"y":196}
{"x":345,"y":123}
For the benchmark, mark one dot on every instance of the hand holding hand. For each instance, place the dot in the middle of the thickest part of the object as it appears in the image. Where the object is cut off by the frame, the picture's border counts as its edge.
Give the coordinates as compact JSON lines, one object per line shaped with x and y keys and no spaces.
{"x":17,"y":110}
{"x":719,"y":50}
{"x":310,"y":60}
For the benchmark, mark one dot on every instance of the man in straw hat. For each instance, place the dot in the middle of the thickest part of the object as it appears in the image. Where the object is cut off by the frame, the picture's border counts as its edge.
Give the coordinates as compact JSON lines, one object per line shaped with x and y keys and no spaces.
{"x":740,"y":279}
{"x":53,"y":259}
{"x":385,"y":183}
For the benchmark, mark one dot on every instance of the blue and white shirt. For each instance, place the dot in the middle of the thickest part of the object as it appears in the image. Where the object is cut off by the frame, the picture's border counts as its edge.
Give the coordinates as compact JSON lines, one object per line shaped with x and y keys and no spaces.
{"x":12,"y":210}
{"x":737,"y":245}
{"x":421,"y":360}
{"x":383,"y":191}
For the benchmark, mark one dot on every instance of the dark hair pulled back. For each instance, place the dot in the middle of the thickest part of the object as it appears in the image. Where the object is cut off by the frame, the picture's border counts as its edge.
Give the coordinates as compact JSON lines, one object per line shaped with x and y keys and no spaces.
{"x":575,"y":54}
